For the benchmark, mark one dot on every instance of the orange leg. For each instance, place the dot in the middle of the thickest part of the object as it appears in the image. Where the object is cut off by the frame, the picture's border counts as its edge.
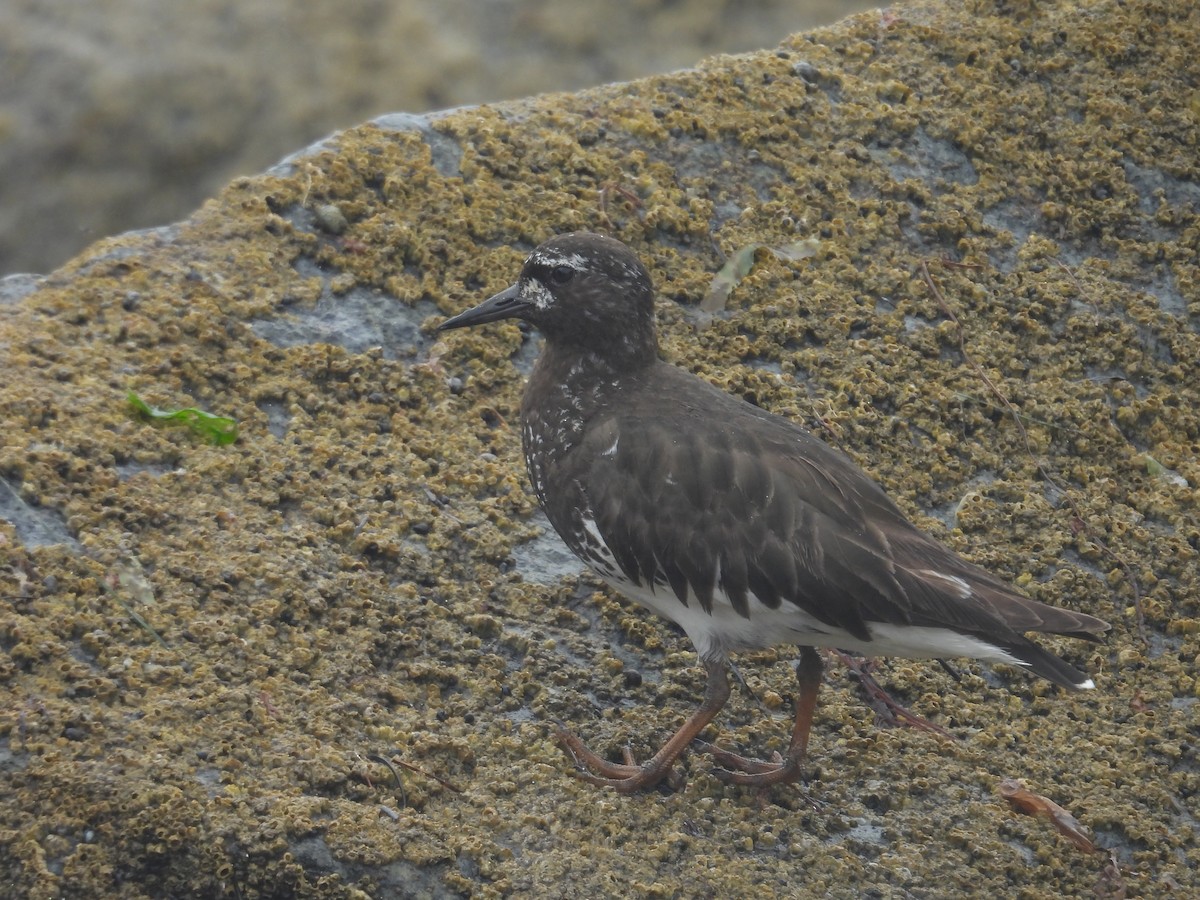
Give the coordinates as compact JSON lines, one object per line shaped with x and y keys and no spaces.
{"x":631,"y":777}
{"x":781,"y":769}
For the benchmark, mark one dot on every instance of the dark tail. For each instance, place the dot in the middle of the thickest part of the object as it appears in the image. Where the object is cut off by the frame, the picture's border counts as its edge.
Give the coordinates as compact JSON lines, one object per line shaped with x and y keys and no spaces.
{"x":1021,"y":614}
{"x":1042,"y":662}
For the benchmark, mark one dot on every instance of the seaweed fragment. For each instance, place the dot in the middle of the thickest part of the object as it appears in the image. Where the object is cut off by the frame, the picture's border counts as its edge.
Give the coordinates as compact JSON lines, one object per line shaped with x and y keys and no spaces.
{"x":738,"y":266}
{"x":215,"y":429}
{"x":126,"y":577}
{"x":1026,"y":801}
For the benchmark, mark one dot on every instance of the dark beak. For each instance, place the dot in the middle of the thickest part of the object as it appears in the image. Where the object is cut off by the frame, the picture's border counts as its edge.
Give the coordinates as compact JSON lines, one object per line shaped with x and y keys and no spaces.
{"x":505,"y":305}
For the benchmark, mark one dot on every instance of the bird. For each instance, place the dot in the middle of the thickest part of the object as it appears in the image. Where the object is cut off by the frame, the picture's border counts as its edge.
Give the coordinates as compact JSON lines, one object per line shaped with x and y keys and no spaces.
{"x":735,"y":523}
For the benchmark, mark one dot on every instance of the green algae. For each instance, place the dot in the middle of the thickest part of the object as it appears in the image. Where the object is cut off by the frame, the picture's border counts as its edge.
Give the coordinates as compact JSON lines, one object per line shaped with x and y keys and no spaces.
{"x":215,"y":429}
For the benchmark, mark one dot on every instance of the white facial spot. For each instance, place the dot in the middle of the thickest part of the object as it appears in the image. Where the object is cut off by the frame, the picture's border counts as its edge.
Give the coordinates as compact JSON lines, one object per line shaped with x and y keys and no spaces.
{"x":537,"y":293}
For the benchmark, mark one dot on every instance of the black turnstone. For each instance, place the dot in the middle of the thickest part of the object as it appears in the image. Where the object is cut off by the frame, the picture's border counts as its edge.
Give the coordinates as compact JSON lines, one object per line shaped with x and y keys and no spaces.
{"x":735,"y":523}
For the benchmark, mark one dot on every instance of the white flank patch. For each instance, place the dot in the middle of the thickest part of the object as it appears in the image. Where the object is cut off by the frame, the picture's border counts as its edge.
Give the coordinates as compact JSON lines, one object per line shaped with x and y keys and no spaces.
{"x":924,"y":642}
{"x":603,"y":560}
{"x":724,"y":631}
{"x":611,"y":451}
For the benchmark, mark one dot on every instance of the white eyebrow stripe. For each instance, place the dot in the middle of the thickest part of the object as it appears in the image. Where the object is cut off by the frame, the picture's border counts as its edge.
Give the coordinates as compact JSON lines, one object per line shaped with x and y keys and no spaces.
{"x":550,"y":260}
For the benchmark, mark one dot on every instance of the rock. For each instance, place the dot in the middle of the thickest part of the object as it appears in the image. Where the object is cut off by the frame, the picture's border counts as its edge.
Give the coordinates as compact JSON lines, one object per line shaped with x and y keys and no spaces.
{"x":120,"y":114}
{"x":1005,"y":199}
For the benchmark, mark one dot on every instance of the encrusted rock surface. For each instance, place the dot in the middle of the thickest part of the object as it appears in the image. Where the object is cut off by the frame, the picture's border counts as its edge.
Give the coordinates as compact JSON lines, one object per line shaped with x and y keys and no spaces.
{"x":207,"y":649}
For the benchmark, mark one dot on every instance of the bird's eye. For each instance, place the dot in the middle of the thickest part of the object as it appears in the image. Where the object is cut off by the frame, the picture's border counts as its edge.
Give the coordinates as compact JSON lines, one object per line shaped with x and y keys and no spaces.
{"x":561,"y":274}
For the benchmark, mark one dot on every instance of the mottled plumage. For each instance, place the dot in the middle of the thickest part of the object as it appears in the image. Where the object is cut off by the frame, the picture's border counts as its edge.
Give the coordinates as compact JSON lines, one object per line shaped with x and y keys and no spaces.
{"x":736,"y":523}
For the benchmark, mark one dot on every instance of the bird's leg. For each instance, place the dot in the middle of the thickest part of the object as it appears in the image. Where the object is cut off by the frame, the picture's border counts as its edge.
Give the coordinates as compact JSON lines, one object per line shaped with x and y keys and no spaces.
{"x":630,"y":777}
{"x":782,"y":769}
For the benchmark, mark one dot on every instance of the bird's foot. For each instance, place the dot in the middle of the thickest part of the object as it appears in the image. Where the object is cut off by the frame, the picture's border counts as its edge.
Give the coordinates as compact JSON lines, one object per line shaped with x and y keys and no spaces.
{"x":627,"y":778}
{"x":759,"y":773}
